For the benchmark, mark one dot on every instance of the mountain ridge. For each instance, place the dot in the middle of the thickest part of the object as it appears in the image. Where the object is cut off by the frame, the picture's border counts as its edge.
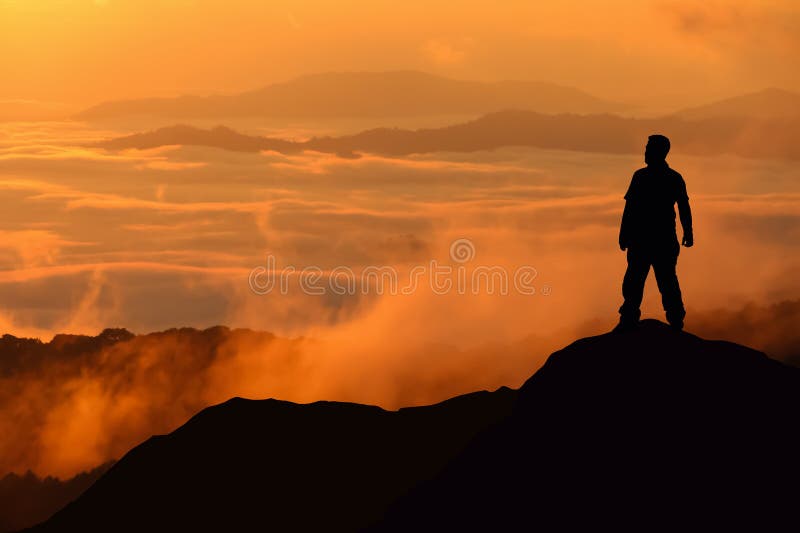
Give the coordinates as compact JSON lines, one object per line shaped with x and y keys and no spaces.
{"x":365,"y":94}
{"x":403,"y":93}
{"x":756,"y":138}
{"x":646,"y":429}
{"x":771,"y":102}
{"x":624,"y":427}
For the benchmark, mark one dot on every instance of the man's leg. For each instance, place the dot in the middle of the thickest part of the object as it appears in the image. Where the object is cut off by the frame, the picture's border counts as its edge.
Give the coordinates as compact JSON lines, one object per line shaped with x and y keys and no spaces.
{"x":667,"y":279}
{"x":633,"y":286}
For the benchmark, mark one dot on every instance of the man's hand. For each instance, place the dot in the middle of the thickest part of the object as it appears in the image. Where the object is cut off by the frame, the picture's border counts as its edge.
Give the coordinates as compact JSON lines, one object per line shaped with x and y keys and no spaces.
{"x":688,"y":240}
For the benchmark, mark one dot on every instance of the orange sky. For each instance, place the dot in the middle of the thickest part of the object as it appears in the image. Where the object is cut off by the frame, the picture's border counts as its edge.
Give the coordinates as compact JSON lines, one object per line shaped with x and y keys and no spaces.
{"x":84,"y":51}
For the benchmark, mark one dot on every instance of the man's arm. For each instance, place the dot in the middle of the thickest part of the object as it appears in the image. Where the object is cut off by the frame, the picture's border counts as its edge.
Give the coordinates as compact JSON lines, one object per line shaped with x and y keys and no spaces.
{"x":625,"y":225}
{"x":685,"y":213}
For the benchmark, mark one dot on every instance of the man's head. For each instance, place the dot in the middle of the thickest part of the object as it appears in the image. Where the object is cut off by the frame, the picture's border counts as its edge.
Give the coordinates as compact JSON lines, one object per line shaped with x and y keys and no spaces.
{"x":656,"y":150}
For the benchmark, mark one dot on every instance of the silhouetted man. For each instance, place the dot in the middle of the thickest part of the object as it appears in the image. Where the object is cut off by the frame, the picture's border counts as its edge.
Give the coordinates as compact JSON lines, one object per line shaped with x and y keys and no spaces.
{"x":648,"y":233}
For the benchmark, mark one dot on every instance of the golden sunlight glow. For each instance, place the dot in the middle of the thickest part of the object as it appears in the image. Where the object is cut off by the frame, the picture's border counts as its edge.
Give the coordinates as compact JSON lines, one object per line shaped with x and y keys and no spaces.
{"x":85,"y":51}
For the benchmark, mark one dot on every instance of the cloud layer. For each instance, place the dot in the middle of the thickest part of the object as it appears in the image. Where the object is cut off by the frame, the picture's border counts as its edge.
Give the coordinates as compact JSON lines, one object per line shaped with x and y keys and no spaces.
{"x":155,"y":239}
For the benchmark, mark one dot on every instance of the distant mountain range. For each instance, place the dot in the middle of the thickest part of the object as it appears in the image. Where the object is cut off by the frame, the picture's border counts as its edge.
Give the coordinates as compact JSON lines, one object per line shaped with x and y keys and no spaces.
{"x":407,"y":93}
{"x":363,"y":95}
{"x":748,"y":137}
{"x":649,"y":429}
{"x":767,"y":104}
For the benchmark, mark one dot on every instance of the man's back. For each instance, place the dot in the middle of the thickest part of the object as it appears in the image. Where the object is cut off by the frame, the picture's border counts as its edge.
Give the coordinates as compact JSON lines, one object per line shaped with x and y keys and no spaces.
{"x":650,"y":206}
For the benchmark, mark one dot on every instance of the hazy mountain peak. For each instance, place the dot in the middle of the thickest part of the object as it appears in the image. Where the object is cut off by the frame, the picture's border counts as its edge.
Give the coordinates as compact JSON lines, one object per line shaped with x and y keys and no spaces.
{"x":365,"y":94}
{"x":771,"y":102}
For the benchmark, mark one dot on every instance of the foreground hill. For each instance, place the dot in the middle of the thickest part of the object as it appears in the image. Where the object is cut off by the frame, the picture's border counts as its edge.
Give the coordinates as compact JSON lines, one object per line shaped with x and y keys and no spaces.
{"x":273,"y":465}
{"x":758,"y":138}
{"x":648,"y":429}
{"x":362,"y":95}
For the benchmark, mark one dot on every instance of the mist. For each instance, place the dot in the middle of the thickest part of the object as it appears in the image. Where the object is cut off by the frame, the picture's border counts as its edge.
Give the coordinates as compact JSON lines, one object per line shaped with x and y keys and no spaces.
{"x":148,"y":240}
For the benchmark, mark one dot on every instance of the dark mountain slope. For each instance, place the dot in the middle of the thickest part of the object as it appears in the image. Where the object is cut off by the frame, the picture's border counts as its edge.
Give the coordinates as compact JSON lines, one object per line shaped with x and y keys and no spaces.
{"x":272,"y":465}
{"x":646,"y":430}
